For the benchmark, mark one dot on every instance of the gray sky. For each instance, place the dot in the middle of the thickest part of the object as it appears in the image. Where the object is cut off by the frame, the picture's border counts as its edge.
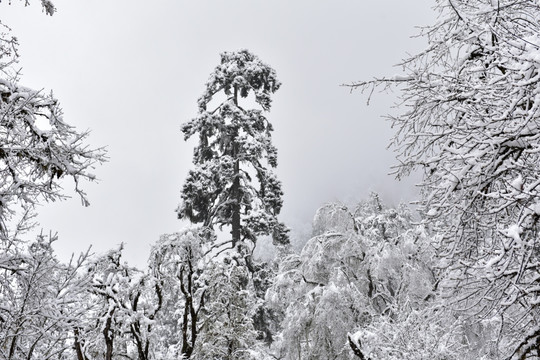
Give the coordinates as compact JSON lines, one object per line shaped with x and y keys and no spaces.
{"x":132,"y":70}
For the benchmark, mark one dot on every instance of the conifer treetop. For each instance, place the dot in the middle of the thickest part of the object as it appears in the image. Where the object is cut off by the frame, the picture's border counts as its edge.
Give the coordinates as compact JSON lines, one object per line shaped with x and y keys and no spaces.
{"x":245,"y":72}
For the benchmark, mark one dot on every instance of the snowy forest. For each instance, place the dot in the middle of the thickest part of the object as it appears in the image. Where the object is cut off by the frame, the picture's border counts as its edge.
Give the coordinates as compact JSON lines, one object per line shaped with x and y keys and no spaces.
{"x":455,"y":275}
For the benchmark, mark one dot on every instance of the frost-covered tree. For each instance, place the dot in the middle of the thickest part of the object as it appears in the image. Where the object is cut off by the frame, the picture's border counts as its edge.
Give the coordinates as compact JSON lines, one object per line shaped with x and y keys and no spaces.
{"x":177,"y":263}
{"x":41,"y":299}
{"x":472,"y":124}
{"x":361,"y":266}
{"x":209,"y":303}
{"x":227,"y":330}
{"x":42,"y":302}
{"x":37,"y":147}
{"x":123,"y":303}
{"x":232,"y":184}
{"x":102,"y":336}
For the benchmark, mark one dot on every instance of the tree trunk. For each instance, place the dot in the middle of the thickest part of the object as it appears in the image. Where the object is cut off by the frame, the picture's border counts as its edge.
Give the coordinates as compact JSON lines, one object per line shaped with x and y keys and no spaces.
{"x":235,"y":189}
{"x":235,"y":192}
{"x":109,"y":338}
{"x":356,"y":350}
{"x":78,"y":347}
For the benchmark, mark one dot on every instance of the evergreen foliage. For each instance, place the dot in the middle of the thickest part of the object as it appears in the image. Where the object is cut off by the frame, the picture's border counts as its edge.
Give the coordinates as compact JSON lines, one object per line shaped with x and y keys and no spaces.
{"x":461,"y":284}
{"x":232,"y":183}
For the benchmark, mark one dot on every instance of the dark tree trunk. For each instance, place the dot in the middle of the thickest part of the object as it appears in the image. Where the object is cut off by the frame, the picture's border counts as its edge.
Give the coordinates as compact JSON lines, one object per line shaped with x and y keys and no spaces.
{"x":189,"y":325}
{"x":235,"y":189}
{"x":109,"y":338}
{"x":356,"y":350}
{"x":235,"y":192}
{"x":142,"y":347}
{"x":78,"y":347}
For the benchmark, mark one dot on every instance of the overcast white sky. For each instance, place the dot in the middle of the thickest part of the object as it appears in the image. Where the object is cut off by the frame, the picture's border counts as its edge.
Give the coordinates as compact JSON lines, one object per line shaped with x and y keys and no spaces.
{"x":132,"y":70}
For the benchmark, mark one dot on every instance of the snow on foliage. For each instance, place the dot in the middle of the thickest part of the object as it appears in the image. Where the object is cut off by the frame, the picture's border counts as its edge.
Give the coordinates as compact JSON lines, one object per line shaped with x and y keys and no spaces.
{"x":471,"y":122}
{"x":40,"y":303}
{"x":232,"y":183}
{"x":367,"y":264}
{"x":332,"y":217}
{"x":209,"y":303}
{"x":177,"y":262}
{"x":220,"y":288}
{"x":122,"y":305}
{"x":43,"y":303}
{"x":37,"y":148}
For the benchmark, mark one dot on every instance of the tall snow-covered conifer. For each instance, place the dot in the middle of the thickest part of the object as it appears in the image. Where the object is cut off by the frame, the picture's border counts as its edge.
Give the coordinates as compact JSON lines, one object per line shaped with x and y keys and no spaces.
{"x":232,"y":183}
